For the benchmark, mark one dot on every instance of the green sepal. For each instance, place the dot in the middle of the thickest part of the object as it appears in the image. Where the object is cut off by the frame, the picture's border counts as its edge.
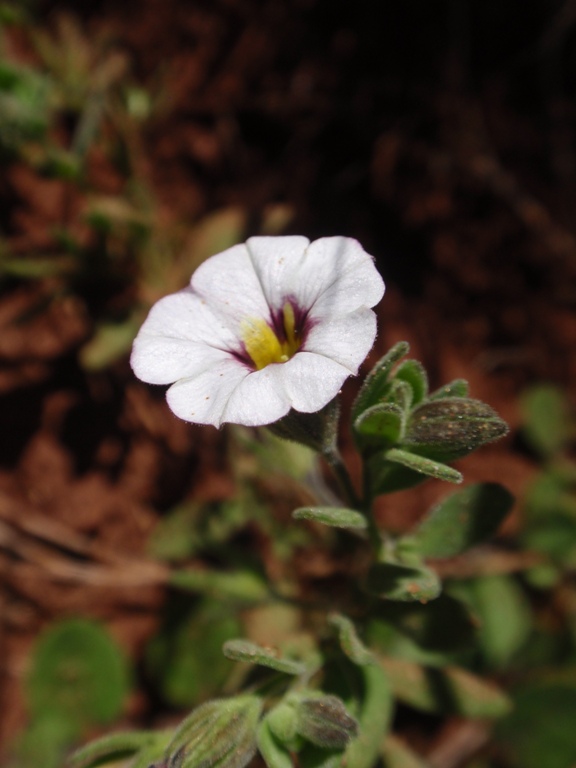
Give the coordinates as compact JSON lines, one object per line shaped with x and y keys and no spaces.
{"x":464,"y":519}
{"x":452,"y":427}
{"x":318,"y":431}
{"x":220,"y":733}
{"x":335,"y":517}
{"x":283,"y":722}
{"x":376,"y":708}
{"x":114,"y":746}
{"x":376,"y":382}
{"x":397,"y":469}
{"x":406,"y":583}
{"x":246,"y":651}
{"x":350,"y":643}
{"x":448,"y":690}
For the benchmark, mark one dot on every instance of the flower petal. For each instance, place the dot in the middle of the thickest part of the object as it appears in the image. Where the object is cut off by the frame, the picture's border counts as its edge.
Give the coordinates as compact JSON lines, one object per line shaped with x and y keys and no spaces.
{"x":203,"y":399}
{"x":184,"y":315}
{"x":180,"y":338}
{"x":164,"y":360}
{"x":351,"y":279}
{"x":231,"y":288}
{"x":311,"y":380}
{"x":259,"y":399}
{"x":346,"y":340}
{"x":337,"y":268}
{"x":283,"y":269}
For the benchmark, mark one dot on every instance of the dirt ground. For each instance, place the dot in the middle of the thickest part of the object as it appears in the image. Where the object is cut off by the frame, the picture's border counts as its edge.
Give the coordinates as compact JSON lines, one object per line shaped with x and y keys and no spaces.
{"x":441,"y":137}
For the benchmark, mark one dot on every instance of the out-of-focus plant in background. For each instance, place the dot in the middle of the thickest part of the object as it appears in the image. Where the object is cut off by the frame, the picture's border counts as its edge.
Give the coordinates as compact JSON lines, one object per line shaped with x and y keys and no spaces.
{"x":464,"y":629}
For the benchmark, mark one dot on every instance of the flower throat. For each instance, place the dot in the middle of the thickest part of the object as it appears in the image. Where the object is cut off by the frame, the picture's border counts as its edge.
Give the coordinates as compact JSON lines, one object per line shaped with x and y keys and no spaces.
{"x":262,"y":342}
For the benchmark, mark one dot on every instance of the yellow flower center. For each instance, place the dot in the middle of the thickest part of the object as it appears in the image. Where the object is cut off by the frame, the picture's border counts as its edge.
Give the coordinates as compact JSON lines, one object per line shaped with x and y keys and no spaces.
{"x":262,"y":343}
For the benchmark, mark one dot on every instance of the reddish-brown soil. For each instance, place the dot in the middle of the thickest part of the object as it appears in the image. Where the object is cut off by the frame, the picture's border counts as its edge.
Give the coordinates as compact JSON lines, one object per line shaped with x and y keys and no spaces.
{"x":447,"y":149}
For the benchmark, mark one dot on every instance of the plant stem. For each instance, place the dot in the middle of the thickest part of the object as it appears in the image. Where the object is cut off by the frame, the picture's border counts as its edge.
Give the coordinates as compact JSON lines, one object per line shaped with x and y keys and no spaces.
{"x":336,"y":463}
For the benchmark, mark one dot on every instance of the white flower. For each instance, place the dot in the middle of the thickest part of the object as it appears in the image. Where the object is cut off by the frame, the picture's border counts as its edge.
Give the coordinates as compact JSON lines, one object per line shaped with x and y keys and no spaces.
{"x":266,"y":326}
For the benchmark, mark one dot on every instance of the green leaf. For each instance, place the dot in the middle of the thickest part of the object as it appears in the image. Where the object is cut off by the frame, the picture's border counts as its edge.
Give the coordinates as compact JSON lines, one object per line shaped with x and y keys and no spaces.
{"x":547,"y":423}
{"x":311,"y":756}
{"x":413,"y":373}
{"x":114,"y":746}
{"x":540,"y":730}
{"x":504,"y":616}
{"x":450,"y":428}
{"x":273,"y":752}
{"x":37,"y":268}
{"x":456,"y":388}
{"x":464,"y":519}
{"x":376,"y":382}
{"x":397,"y":754}
{"x":77,"y":672}
{"x":425,"y":626}
{"x":450,"y":690}
{"x":395,"y":581}
{"x":110,"y":342}
{"x":379,"y":426}
{"x":397,"y":469}
{"x":374,"y":717}
{"x":351,"y":644}
{"x":246,"y":651}
{"x":238,"y":586}
{"x":185,"y":657}
{"x":336,"y":517}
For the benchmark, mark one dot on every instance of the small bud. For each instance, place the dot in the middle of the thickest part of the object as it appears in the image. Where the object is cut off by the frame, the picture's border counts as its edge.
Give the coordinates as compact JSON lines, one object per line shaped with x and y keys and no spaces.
{"x":452,"y":427}
{"x":221,"y":732}
{"x":325,"y":721}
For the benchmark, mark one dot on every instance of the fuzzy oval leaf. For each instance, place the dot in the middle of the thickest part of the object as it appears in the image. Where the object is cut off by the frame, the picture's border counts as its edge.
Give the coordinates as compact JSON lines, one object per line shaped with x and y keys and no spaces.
{"x":448,"y":690}
{"x":241,"y":586}
{"x":546,"y":419}
{"x":376,"y":382}
{"x":540,"y":731}
{"x":394,"y":581}
{"x":414,"y":374}
{"x":350,"y":643}
{"x":423,"y":465}
{"x":273,"y":752}
{"x":78,"y":672}
{"x":463,"y":520}
{"x":380,"y":425}
{"x":244,"y":650}
{"x":397,"y":754}
{"x":336,"y":517}
{"x":503,"y":615}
